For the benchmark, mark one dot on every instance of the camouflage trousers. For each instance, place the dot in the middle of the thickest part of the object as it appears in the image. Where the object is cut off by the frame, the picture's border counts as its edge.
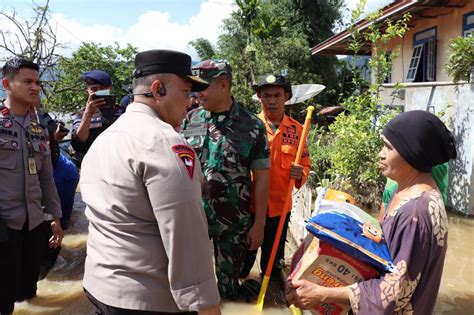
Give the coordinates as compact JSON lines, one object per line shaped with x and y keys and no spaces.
{"x":230,"y":250}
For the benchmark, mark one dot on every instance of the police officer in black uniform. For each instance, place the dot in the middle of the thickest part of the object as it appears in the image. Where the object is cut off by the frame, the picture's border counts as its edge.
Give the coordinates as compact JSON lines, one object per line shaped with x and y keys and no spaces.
{"x":97,"y":116}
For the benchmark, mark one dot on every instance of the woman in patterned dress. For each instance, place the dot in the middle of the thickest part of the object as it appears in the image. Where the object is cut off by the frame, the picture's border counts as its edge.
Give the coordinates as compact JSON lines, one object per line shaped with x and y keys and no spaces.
{"x":415,"y":225}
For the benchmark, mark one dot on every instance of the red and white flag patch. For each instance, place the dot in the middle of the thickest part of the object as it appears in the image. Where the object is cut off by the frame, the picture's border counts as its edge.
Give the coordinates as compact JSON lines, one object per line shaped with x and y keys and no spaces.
{"x":187,"y":156}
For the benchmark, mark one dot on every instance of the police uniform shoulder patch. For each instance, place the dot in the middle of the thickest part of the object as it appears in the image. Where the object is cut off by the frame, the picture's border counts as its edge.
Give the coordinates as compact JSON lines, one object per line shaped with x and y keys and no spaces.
{"x":187,"y":156}
{"x":4,"y":110}
{"x":6,"y":122}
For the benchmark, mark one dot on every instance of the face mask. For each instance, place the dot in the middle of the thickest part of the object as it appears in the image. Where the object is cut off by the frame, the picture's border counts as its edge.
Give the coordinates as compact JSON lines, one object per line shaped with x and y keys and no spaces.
{"x":103,"y":92}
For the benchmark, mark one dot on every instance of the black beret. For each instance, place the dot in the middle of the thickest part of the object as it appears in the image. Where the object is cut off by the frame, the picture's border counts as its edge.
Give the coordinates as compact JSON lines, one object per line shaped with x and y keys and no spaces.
{"x":167,"y":61}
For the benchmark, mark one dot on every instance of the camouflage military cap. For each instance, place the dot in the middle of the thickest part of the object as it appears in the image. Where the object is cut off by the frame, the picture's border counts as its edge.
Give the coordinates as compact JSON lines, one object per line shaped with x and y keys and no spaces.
{"x":212,"y":68}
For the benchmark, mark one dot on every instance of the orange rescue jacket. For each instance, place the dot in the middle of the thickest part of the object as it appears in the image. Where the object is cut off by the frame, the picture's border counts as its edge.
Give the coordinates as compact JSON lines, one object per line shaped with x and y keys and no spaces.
{"x":283,"y":147}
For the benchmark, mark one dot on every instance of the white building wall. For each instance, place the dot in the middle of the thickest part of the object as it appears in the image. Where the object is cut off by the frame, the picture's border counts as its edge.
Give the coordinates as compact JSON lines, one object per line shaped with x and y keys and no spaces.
{"x":457,"y":104}
{"x":448,"y":25}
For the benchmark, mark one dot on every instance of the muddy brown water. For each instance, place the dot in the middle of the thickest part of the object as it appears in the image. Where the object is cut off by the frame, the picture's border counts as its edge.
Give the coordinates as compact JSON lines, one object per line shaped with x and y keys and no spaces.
{"x":61,"y":291}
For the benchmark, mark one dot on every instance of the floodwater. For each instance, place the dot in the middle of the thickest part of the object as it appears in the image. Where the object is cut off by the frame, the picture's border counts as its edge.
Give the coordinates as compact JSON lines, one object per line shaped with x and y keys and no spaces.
{"x":61,"y":291}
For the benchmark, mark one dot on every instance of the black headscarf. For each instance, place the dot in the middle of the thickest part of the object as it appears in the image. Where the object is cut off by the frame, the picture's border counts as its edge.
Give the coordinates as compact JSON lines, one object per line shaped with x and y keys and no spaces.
{"x":421,"y":138}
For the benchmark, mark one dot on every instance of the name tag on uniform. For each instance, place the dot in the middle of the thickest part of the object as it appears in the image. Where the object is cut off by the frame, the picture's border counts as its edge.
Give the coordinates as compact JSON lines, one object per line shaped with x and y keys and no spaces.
{"x":194,"y":132}
{"x":32,"y":165}
{"x":195,"y":129}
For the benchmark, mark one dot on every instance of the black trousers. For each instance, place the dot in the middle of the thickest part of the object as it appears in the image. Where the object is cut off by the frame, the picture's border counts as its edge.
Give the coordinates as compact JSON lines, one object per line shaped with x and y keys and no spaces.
{"x":49,"y":255}
{"x":20,"y":258}
{"x":271,"y":226}
{"x":104,"y":309}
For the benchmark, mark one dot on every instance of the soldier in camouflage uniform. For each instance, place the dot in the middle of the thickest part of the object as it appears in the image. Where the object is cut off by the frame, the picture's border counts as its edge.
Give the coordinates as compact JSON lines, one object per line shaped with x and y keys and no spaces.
{"x":231,"y":143}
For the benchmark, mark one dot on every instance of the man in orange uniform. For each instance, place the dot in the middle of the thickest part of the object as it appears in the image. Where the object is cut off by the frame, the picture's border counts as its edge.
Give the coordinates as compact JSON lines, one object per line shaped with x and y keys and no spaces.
{"x":283,"y":134}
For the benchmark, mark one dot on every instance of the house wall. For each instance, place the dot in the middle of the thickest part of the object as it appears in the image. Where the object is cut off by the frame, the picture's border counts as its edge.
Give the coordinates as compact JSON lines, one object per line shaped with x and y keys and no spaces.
{"x":456,"y":101}
{"x":448,"y":27}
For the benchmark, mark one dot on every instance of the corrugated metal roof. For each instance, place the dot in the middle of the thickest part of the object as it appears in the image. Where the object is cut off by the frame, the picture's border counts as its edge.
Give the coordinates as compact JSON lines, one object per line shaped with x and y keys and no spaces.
{"x":338,"y":44}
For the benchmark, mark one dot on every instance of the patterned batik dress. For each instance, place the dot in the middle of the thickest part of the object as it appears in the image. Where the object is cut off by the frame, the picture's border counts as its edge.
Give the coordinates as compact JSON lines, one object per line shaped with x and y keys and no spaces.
{"x":416,"y":233}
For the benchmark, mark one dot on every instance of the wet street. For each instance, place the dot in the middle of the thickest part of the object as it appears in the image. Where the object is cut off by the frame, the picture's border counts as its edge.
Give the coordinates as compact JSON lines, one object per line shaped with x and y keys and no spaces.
{"x":61,"y":291}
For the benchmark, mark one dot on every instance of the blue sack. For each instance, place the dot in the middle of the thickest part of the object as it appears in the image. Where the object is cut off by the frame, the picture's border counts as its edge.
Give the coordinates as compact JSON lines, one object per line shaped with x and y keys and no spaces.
{"x":351,"y":230}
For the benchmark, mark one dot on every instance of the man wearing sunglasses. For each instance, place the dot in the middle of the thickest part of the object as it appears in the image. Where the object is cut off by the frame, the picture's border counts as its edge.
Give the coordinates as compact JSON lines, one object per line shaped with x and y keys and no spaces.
{"x":97,"y":116}
{"x":232,"y":146}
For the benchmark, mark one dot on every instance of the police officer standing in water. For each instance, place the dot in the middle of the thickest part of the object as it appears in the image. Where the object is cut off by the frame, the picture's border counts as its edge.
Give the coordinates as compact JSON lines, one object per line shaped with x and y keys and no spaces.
{"x":97,"y":116}
{"x":27,"y":188}
{"x":147,"y":250}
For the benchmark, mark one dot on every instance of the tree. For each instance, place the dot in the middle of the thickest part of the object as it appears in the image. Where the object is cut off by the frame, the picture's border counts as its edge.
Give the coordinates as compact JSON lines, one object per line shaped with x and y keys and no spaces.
{"x":272,"y":36}
{"x":203,"y":48}
{"x":460,"y":63}
{"x":247,"y":14}
{"x":34,"y":40}
{"x":317,"y":20}
{"x":67,"y":93}
{"x":63,"y":92}
{"x":349,"y":150}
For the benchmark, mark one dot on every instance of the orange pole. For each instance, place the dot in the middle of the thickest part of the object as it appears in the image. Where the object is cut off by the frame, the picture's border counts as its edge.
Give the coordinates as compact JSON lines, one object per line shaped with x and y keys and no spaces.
{"x":281,"y":223}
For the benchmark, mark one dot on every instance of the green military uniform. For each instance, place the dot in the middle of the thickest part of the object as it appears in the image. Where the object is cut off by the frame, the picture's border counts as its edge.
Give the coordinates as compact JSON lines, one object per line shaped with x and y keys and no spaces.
{"x":229,"y":145}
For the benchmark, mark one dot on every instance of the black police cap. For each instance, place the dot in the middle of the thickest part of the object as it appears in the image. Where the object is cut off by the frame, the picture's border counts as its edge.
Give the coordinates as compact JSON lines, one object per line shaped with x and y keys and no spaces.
{"x":167,"y":61}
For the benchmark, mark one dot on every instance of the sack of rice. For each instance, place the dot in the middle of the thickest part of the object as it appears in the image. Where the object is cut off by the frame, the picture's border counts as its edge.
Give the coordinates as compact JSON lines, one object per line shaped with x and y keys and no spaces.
{"x":345,"y":245}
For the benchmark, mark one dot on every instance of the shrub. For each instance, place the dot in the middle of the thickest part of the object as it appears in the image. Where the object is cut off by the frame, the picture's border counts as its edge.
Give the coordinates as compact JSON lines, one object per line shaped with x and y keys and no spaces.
{"x":461,"y":58}
{"x":347,"y":154}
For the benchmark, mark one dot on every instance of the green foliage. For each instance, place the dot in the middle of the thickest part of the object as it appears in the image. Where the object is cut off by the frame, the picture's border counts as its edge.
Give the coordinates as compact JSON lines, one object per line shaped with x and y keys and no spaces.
{"x":268,"y":27}
{"x":33,"y":39}
{"x":247,"y":14}
{"x":274,"y":36}
{"x":354,"y":152}
{"x":203,"y":48}
{"x":347,"y":153}
{"x":461,"y":58}
{"x":67,"y":93}
{"x":319,"y":140}
{"x":380,"y":63}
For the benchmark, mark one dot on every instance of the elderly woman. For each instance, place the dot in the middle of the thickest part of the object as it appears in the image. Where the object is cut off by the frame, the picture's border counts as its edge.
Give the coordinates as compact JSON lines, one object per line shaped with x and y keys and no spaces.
{"x":415,"y":225}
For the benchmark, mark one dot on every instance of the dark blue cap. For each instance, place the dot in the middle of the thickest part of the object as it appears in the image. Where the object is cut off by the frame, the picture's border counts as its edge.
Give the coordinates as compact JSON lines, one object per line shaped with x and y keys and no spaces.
{"x":98,"y":77}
